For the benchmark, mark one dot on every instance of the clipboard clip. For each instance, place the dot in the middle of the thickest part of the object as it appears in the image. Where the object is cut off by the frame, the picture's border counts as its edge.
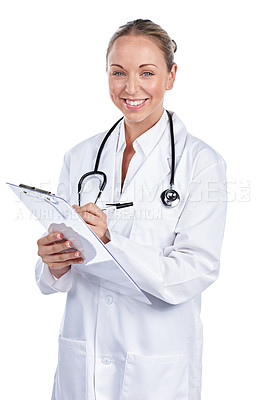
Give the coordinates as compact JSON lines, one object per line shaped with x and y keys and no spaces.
{"x":35,"y":189}
{"x":49,"y":199}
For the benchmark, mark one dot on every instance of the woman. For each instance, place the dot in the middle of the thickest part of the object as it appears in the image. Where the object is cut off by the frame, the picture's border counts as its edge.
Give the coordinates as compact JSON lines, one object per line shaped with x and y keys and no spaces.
{"x":111,"y":346}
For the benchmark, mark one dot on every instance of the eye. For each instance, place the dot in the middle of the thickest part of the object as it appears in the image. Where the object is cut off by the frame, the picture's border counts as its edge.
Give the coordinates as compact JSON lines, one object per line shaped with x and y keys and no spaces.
{"x":118,"y":73}
{"x":147,"y":73}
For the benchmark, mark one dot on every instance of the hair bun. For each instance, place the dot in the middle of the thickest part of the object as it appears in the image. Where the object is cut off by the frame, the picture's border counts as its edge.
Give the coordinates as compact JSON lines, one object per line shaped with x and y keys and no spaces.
{"x":174,"y":45}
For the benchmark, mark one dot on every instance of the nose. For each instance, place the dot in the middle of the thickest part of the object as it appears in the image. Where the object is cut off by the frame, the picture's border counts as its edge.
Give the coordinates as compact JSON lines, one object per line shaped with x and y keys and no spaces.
{"x":132,"y":85}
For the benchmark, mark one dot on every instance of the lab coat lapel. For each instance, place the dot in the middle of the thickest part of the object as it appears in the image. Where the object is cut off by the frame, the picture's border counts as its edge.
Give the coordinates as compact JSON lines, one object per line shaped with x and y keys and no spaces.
{"x":145,"y":185}
{"x":157,"y":165}
{"x":151,"y":173}
{"x":107,"y":165}
{"x":154,"y":174}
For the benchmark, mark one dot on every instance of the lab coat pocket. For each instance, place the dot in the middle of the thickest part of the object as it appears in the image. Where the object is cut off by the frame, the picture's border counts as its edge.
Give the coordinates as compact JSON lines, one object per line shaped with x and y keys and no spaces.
{"x":71,"y":374}
{"x":155,"y":378}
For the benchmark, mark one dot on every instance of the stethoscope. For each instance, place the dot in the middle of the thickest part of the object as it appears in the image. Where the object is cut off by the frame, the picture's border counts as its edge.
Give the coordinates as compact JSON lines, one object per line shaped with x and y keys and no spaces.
{"x":169,"y":197}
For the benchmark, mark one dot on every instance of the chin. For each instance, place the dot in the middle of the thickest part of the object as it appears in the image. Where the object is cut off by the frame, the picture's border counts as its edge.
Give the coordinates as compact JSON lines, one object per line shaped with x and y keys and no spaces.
{"x":138,"y":117}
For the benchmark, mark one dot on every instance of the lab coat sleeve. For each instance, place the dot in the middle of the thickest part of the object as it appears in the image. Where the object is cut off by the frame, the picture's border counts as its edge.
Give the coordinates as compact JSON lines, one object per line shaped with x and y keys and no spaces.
{"x":47,"y":283}
{"x":185,"y":268}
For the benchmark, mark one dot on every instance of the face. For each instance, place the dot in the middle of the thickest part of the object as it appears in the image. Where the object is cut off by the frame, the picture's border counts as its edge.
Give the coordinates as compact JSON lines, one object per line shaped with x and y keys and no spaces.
{"x":138,"y":79}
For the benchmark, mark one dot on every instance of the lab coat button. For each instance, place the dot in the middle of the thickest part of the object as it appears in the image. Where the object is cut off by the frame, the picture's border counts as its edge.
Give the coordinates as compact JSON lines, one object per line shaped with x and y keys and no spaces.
{"x":106,"y":360}
{"x":109,"y":300}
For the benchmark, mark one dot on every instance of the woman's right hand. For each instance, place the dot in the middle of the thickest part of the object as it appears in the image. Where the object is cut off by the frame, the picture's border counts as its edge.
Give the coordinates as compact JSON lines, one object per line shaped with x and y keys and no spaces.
{"x":52,"y":250}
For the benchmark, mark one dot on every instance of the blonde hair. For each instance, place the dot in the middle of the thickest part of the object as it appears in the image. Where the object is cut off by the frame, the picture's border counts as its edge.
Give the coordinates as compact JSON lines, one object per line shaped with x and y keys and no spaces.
{"x":145,"y":27}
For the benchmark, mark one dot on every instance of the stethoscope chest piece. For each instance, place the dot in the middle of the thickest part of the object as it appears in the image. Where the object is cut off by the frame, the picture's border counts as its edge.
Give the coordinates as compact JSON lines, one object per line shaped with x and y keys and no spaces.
{"x":170,"y":198}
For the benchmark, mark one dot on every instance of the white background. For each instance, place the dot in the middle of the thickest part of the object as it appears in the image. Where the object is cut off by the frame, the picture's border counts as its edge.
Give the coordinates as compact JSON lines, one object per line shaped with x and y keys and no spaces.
{"x":54,"y":94}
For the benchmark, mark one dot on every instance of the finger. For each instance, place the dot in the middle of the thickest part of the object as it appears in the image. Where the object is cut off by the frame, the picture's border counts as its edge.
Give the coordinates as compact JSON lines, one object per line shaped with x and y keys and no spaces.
{"x":62,"y":257}
{"x":92,"y":209}
{"x":50,"y":238}
{"x":89,"y":218}
{"x":54,"y":247}
{"x":58,"y":247}
{"x":68,"y":263}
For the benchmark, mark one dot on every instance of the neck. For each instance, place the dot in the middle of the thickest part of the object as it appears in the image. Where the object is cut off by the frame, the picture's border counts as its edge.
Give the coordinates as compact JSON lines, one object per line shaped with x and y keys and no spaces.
{"x":134,"y":130}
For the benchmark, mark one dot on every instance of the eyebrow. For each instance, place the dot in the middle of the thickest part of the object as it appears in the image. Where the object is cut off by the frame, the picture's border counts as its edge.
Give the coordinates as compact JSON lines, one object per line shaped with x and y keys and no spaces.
{"x":141,"y":66}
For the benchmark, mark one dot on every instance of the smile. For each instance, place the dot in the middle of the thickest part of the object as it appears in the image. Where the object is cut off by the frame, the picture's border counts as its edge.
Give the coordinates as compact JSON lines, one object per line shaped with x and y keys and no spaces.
{"x":134,"y":103}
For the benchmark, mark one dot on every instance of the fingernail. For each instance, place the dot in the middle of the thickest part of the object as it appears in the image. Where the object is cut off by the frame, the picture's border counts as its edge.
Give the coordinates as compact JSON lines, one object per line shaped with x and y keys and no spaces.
{"x":68,"y":244}
{"x":77,"y":254}
{"x":80,"y":261}
{"x":59,"y":236}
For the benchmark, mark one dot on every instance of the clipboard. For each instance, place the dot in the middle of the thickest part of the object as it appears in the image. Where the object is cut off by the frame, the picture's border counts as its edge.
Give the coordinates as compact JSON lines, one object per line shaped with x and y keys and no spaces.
{"x":100,"y":266}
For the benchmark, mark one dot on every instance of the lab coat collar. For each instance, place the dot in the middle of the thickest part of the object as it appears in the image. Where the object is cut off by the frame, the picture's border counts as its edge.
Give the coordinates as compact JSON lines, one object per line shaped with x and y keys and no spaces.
{"x":154,"y":174}
{"x":121,"y":142}
{"x":157,"y":164}
{"x":148,"y":140}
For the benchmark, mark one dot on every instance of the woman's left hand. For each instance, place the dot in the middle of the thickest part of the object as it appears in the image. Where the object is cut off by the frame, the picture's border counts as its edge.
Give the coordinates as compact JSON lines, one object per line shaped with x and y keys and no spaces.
{"x":95,"y":218}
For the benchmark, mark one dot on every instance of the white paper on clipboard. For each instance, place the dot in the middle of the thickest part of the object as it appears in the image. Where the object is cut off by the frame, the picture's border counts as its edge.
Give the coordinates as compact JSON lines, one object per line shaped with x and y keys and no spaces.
{"x":57,"y":215}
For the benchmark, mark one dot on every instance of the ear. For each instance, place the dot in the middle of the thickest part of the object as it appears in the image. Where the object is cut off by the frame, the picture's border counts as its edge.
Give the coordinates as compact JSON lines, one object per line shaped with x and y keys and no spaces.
{"x":171,"y":77}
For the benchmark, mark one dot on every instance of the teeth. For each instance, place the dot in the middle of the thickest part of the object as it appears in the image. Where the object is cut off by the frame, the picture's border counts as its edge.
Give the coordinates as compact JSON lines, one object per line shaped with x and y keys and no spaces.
{"x":134,"y":103}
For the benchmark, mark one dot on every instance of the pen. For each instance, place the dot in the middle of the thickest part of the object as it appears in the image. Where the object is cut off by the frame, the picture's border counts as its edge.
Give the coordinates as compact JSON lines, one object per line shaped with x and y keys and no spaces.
{"x":112,"y":206}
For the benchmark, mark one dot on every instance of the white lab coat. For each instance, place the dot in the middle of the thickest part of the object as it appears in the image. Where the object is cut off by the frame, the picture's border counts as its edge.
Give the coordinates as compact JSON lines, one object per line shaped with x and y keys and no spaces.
{"x":112,"y":347}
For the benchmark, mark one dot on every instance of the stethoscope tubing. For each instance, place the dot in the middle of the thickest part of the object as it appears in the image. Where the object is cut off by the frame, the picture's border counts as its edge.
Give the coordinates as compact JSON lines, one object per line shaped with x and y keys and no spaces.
{"x":172,"y":179}
{"x":103,"y":175}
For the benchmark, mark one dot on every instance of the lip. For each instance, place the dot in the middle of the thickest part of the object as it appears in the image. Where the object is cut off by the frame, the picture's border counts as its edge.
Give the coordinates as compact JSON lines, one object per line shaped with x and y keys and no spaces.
{"x":134,"y":107}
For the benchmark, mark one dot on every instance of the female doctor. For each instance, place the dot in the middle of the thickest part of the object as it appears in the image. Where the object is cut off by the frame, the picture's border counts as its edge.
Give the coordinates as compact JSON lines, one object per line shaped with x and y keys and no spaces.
{"x":112,"y":346}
